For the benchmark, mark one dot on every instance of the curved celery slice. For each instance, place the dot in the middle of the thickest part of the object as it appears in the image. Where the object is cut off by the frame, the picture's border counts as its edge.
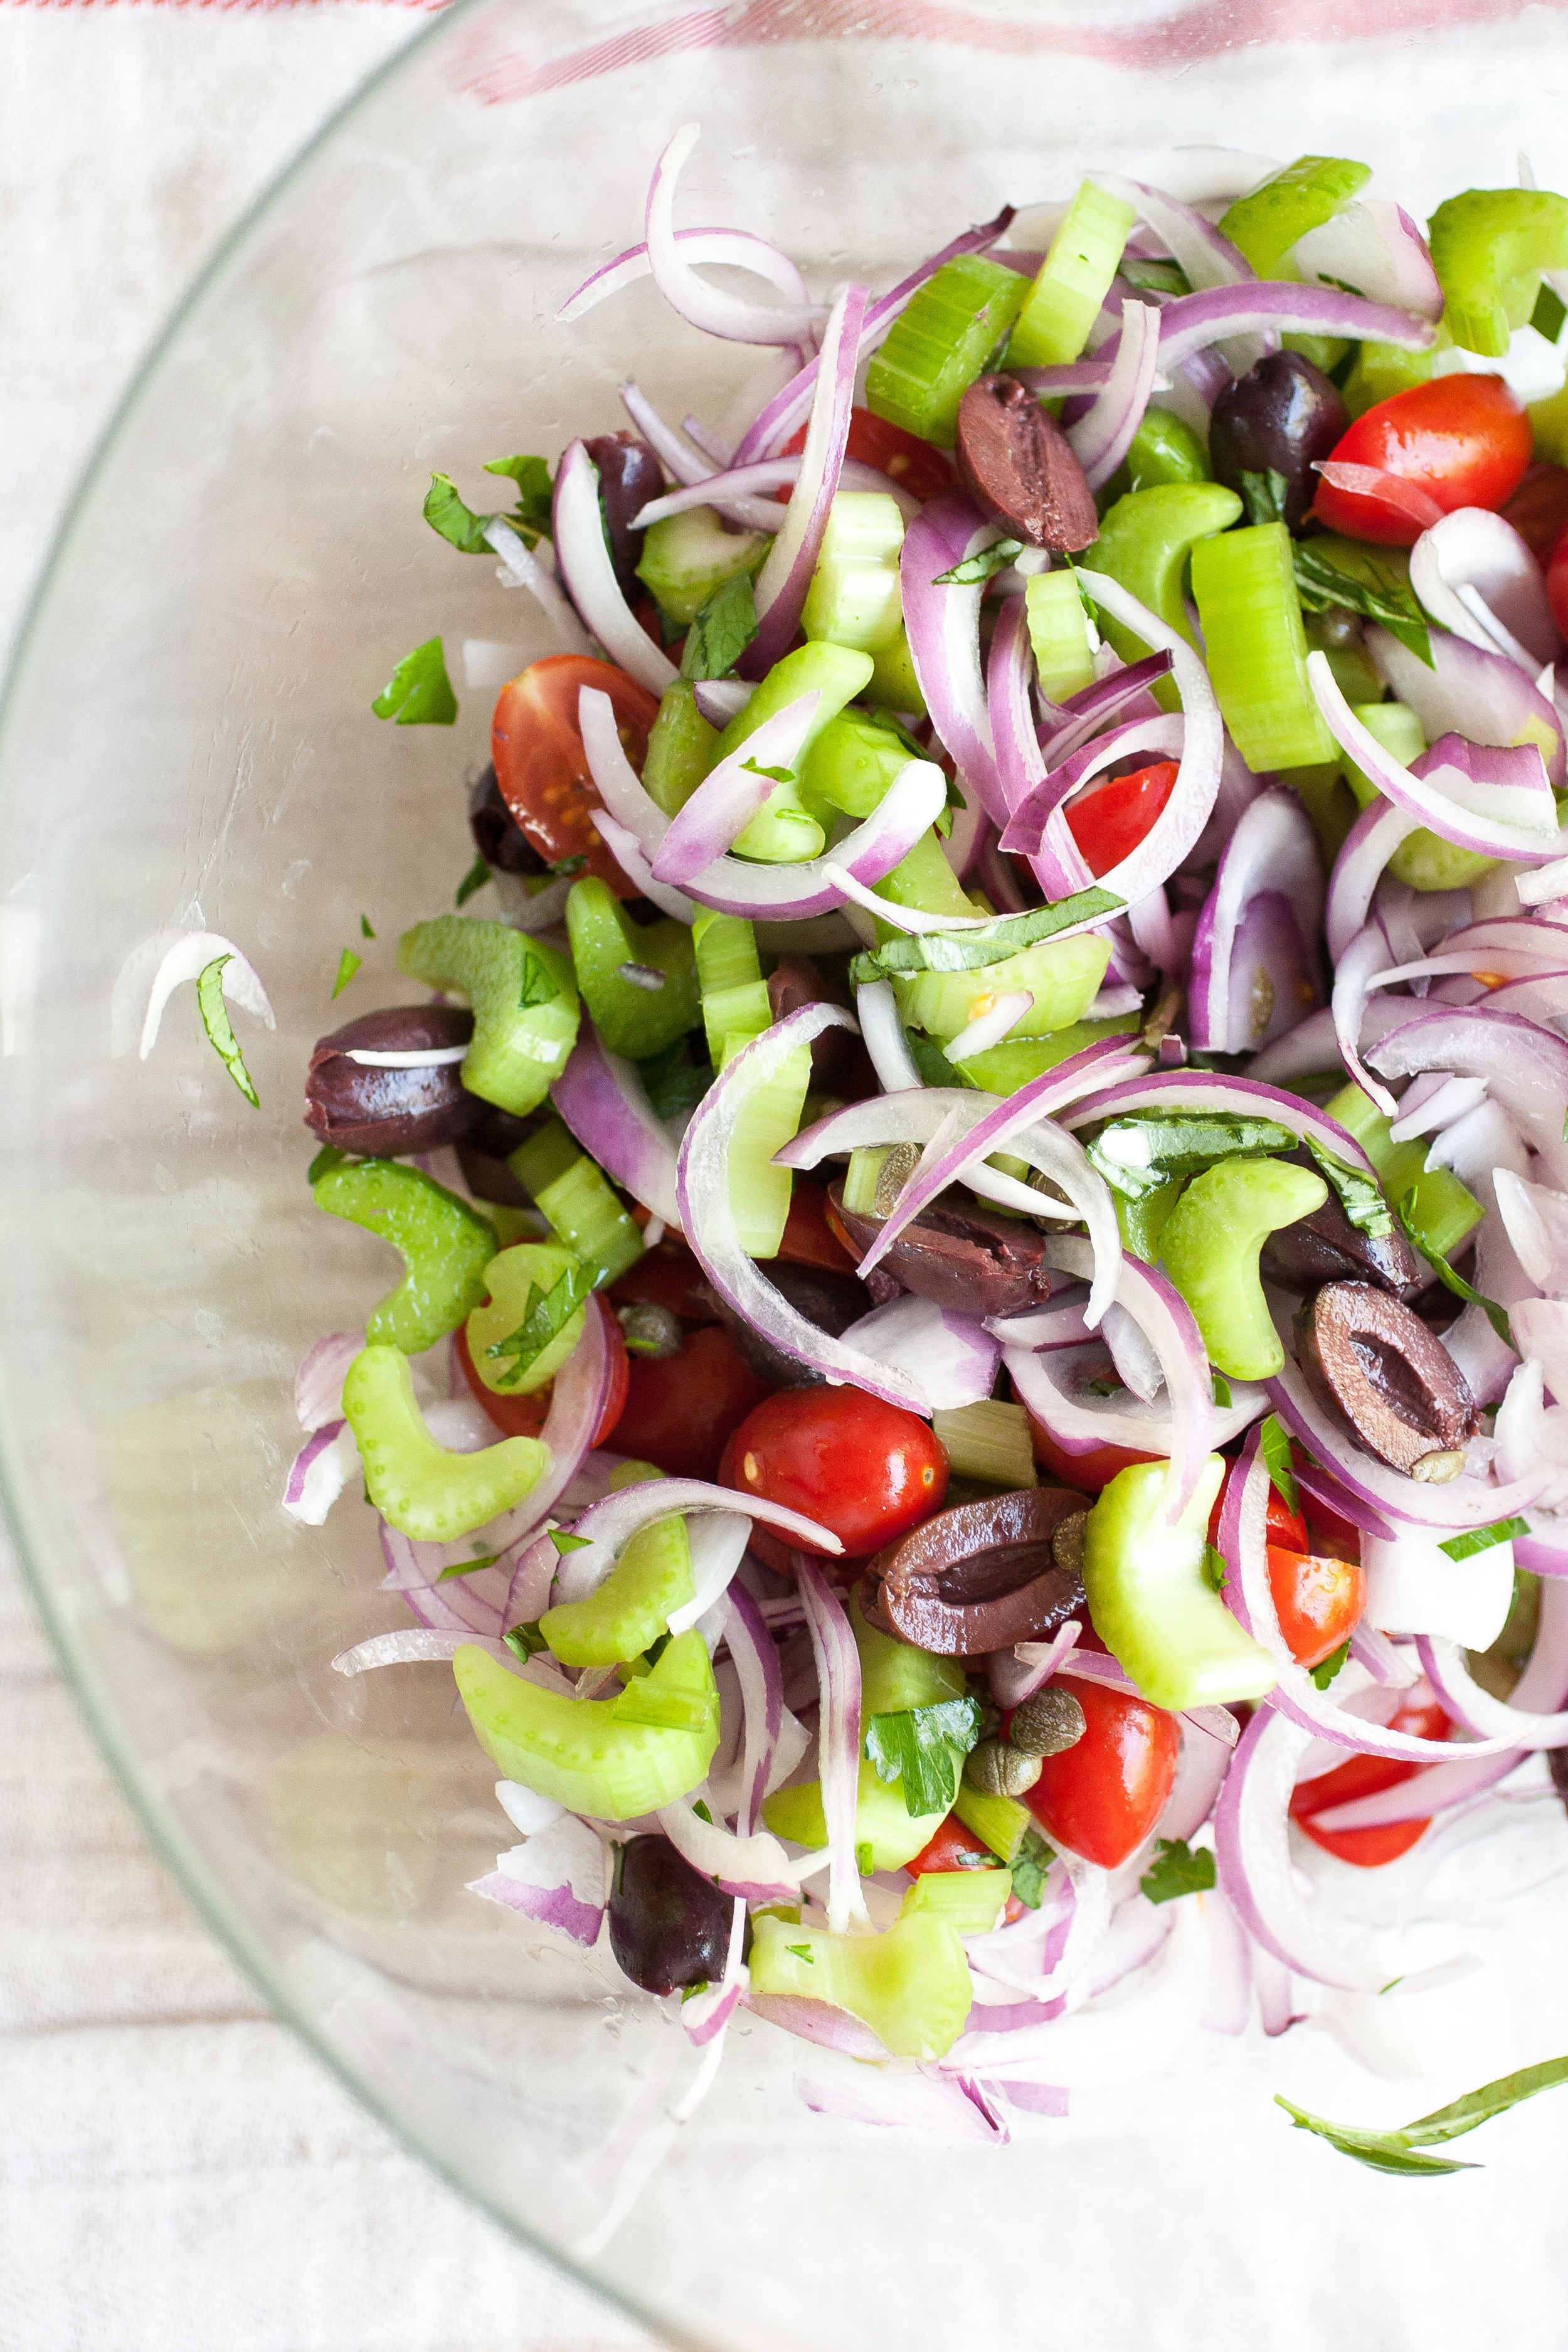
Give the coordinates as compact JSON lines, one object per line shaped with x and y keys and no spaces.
{"x":1490,"y":247}
{"x":1210,"y":1246}
{"x":1073,"y":280}
{"x":1307,"y":193}
{"x":687,"y":557}
{"x":852,"y":763}
{"x":910,"y":1985}
{"x":417,"y":1485}
{"x":575,"y":1193}
{"x":597,"y":1757}
{"x":1245,"y":586}
{"x":886,"y":1831}
{"x":1062,"y":975}
{"x":532,"y":1319}
{"x":524,"y":1000}
{"x":1002,"y":1821}
{"x":446,"y":1246}
{"x":680,"y":750}
{"x":1002,"y":1069}
{"x":1145,"y":542}
{"x":893,"y":682}
{"x":943,"y":337}
{"x":783,"y":831}
{"x":632,"y":1020}
{"x":1165,"y":449}
{"x":896,"y":1676}
{"x":632,"y":1607}
{"x":1151,"y":1604}
{"x":972,"y":1901}
{"x":1060,"y":633}
{"x":1444,"y":1209}
{"x":854,"y":598}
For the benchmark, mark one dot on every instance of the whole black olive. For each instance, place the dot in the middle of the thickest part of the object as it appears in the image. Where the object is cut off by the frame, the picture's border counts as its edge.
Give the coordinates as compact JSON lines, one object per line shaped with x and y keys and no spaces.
{"x":831,"y":1301}
{"x":958,"y":1254}
{"x":1281,"y":417}
{"x":361,"y":1107}
{"x":482,"y":1155}
{"x":629,"y":475}
{"x":1326,"y":1247}
{"x":498,"y":836}
{"x":669,"y":1926}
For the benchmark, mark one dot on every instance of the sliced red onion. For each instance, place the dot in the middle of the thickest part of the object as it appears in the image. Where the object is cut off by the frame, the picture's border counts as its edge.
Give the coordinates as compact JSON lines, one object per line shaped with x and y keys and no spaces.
{"x":786,"y":577}
{"x":1018,"y":1674}
{"x":1044,"y":1384}
{"x":626,"y":848}
{"x":1274,"y":849}
{"x":701,"y":304}
{"x":756,"y":1661}
{"x":606,"y":1528}
{"x":1015,"y":744}
{"x":1406,"y":498}
{"x":833,"y":2083}
{"x":951,"y":1356}
{"x":187,"y":959}
{"x":988,"y":1029}
{"x":729,"y":248}
{"x":745,"y":486}
{"x":603,"y":1101}
{"x":1102,"y":439}
{"x":582,"y":552}
{"x":718,"y":1544}
{"x":525,"y":1808}
{"x":1252,"y":1850}
{"x":1493,"y":1721}
{"x":719,"y":700}
{"x":1164,"y":733}
{"x":415,"y":1645}
{"x":1205,"y":1090}
{"x":1362,"y":961}
{"x":557,"y":1878}
{"x":519,"y":568}
{"x":1075,"y":376}
{"x":838,"y":1737}
{"x":1113,"y":2044}
{"x":1371,"y":842}
{"x":1228,"y":2003}
{"x":731,"y":795}
{"x":1202,"y":1763}
{"x":1383,"y":1661}
{"x":1481,"y":695}
{"x":1376,"y":245}
{"x":1477,"y":549}
{"x":320,"y":1471}
{"x":1214,"y":1723}
{"x":1062,"y":1324}
{"x":578,"y":1400}
{"x":1525,"y":1067}
{"x":1205,"y":257}
{"x":1312,"y":1046}
{"x":1536,"y":1218}
{"x":819,"y":2021}
{"x":755,"y":1868}
{"x":1263,"y":305}
{"x":877,"y":1008}
{"x":433,"y":1057}
{"x":943,"y":626}
{"x":319,"y":1382}
{"x":1138,"y":1930}
{"x":1085,"y":713}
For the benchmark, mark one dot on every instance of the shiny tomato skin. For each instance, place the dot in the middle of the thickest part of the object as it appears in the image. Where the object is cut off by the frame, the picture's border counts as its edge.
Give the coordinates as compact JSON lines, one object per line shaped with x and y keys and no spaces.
{"x":915,"y":465}
{"x":1284,"y":1527}
{"x":1367,"y":1776}
{"x":542,"y":767}
{"x":1111,"y":818}
{"x":953,"y":1848}
{"x":1463,"y":439}
{"x":866,"y":1470}
{"x":1086,"y":1473}
{"x":1101,"y":1797}
{"x":524,"y":1416}
{"x":1319,"y":1602}
{"x":679,"y":1410}
{"x":809,"y":1238}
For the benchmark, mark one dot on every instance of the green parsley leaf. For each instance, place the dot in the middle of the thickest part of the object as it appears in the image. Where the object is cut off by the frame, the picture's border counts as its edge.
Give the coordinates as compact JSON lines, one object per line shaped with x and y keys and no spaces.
{"x":419,"y":693}
{"x":477,"y":874}
{"x":1548,"y":313}
{"x":367,"y":929}
{"x":1030,"y":1866}
{"x":538,"y":987}
{"x":774,"y":775}
{"x":690,"y":1992}
{"x":721,"y":631}
{"x":545,"y":1313}
{"x":347,"y":968}
{"x":803,"y":1952}
{"x":703,"y":1814}
{"x":1383,"y":2151}
{"x":1382,"y":596}
{"x":1324,"y":1675}
{"x":1476,"y":1540}
{"x":1139,"y":1153}
{"x":878,"y":715}
{"x":863,"y":1862}
{"x":564,"y":1542}
{"x":1159,"y":277}
{"x":453,"y":520}
{"x":975,"y":569}
{"x":530,"y":516}
{"x":220,"y":1028}
{"x":1264,"y":496}
{"x":972,"y":950}
{"x":1496,"y":1315}
{"x":1178,"y":1871}
{"x":570,"y":867}
{"x":925,"y":1746}
{"x":1361,"y":1196}
{"x":1215,"y":1569}
{"x":1274,"y":1445}
{"x":470,"y":1566}
{"x":525,"y":1640}
{"x":1221,"y":1390}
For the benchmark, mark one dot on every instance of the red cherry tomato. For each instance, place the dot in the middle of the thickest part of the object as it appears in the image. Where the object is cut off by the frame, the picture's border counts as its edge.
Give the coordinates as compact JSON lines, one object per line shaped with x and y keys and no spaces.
{"x":665,"y":1276}
{"x":524,"y":1416}
{"x":913,"y":464}
{"x":1319,"y":1602}
{"x":681,"y":1409}
{"x":953,"y":1848}
{"x":809,"y":1234}
{"x":1101,"y":1797}
{"x":866,"y":1470}
{"x":1365,"y":1776}
{"x":1463,"y":439}
{"x":542,"y":767}
{"x":1109,"y":820}
{"x":1539,"y":510}
{"x":1086,"y":1473}
{"x":1285,"y":1527}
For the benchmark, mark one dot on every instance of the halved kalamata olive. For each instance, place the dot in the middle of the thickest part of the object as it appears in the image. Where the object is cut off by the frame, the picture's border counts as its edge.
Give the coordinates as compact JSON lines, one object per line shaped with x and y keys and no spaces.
{"x":360,"y":1107}
{"x":979,"y":1578}
{"x":1048,"y":1723}
{"x":669,"y":1926}
{"x":1376,"y":1367}
{"x":831,"y":1301}
{"x":1326,"y":1247}
{"x":1000,"y":1770}
{"x":1019,"y":465}
{"x":1281,"y":417}
{"x":498,"y":836}
{"x":629,"y":475}
{"x":482,"y":1155}
{"x":957,"y":1254}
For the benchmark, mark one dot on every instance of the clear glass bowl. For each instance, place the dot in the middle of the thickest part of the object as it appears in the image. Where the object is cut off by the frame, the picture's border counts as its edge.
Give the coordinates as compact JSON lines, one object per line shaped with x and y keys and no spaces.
{"x":188,"y":742}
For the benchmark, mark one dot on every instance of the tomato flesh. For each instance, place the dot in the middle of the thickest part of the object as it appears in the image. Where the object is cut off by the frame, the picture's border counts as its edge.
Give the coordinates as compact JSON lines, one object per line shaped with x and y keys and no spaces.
{"x":1109,"y":820}
{"x":1086,"y":1473}
{"x":1463,"y":439}
{"x":679,"y":1410}
{"x":1367,"y":1776}
{"x":1539,"y":510}
{"x":866,"y":1470}
{"x":524,"y":1416}
{"x":915,"y":465}
{"x":542,"y":767}
{"x":809,"y":1235}
{"x":1101,"y":1797}
{"x":1283,"y":1526}
{"x":953,"y":1848}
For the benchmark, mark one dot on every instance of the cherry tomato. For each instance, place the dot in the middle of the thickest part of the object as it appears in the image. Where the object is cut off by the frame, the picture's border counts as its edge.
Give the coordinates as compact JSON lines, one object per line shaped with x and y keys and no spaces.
{"x":1463,"y":439}
{"x":1086,"y":1473}
{"x":1101,"y":1797}
{"x":953,"y":1848}
{"x":667,"y":1276}
{"x":809,"y":1236}
{"x":1539,"y":510}
{"x":1109,"y":820}
{"x":866,"y":1470}
{"x":1365,"y":1776}
{"x":1285,"y":1527}
{"x":542,"y":767}
{"x":913,"y":464}
{"x":1319,"y":1602}
{"x":681,"y":1409}
{"x":524,"y":1416}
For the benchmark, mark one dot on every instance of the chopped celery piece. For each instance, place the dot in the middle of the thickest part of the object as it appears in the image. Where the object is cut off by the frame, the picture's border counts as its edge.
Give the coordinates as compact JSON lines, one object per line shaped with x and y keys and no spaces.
{"x":1073,"y":280}
{"x":524,"y":1000}
{"x":910,"y":1985}
{"x":765,"y":1123}
{"x":1346,"y":654}
{"x":1002,"y":1069}
{"x":943,"y":337}
{"x":1424,"y":860}
{"x":1002,"y":1821}
{"x":925,"y":880}
{"x":1328,"y":799}
{"x":687,"y":557}
{"x":632,"y":1607}
{"x":1549,"y":423}
{"x":445,"y":1244}
{"x":632,"y":1020}
{"x":417,"y":1487}
{"x":1245,"y":586}
{"x":679,"y":749}
{"x":883,"y":1822}
{"x":735,"y":1007}
{"x":1152,"y":1605}
{"x":895,"y":1676}
{"x":783,"y":831}
{"x":851,"y":764}
{"x":573,"y":1193}
{"x":860,"y":1180}
{"x":597,"y":1757}
{"x":1145,"y":542}
{"x":1379,"y":370}
{"x":1210,"y":1247}
{"x":1143,"y":1220}
{"x":972,"y":1901}
{"x":1060,"y":631}
{"x":853,"y":599}
{"x":1062,"y":975}
{"x":1445,"y":1210}
{"x":1490,"y":247}
{"x":892,"y":681}
{"x":532,"y":1319}
{"x":989,"y":1441}
{"x":1264,"y":224}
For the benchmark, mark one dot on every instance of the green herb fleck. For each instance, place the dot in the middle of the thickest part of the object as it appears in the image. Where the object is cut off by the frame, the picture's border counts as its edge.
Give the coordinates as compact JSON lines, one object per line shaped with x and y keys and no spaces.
{"x":331,"y":1155}
{"x":803,"y":1952}
{"x":564,"y":1542}
{"x":1264,"y":496}
{"x":419,"y":693}
{"x":721,"y":631}
{"x":1496,"y":1315}
{"x":1138,"y":1154}
{"x":1359,"y":1195}
{"x":970,"y":950}
{"x":525,"y":1640}
{"x":690,"y":1992}
{"x":976,"y":569}
{"x":925,"y":1746}
{"x":220,"y":1029}
{"x":546,"y":1313}
{"x":367,"y":929}
{"x":1275,"y":1447}
{"x":774,"y":775}
{"x":1396,"y":2151}
{"x":470,"y":1566}
{"x":863,"y":1861}
{"x":674,"y":1085}
{"x":1216,"y":1569}
{"x":453,"y":520}
{"x":1383,"y":597}
{"x":477,"y":874}
{"x":1178,"y":1871}
{"x":447,"y":513}
{"x":1221,"y":1390}
{"x":538,"y":988}
{"x":529,"y":517}
{"x":703,"y":1814}
{"x":1030,"y":1866}
{"x":1324,"y":1675}
{"x":570,"y":867}
{"x":347,"y":967}
{"x":1476,"y":1540}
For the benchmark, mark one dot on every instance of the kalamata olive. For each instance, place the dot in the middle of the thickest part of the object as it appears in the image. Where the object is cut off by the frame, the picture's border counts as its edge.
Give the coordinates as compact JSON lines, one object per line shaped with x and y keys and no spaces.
{"x":1048,"y":1723}
{"x":1376,"y":1367}
{"x":629,"y":475}
{"x":669,"y":1926}
{"x":831,"y":1301}
{"x":838,"y":1059}
{"x":1281,"y":417}
{"x":958,"y":1255}
{"x":360,"y":1107}
{"x":498,"y":836}
{"x":979,"y":1578}
{"x":1326,"y":1247}
{"x":1000,"y":1770}
{"x":1019,"y":465}
{"x":482,"y":1155}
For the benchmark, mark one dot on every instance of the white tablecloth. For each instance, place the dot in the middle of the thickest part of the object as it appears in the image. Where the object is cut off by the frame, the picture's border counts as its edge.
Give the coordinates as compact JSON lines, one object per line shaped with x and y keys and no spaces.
{"x":177,"y":2173}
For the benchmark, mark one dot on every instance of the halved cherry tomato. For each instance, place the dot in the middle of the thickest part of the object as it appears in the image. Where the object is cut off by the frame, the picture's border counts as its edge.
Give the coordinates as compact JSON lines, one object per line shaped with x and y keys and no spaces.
{"x":866,"y":1470}
{"x":1319,"y":1602}
{"x":1109,"y":820}
{"x":681,"y":1409}
{"x":1284,"y":1527}
{"x":913,"y":464}
{"x":1539,"y":510}
{"x":1088,"y":1472}
{"x":809,"y":1238}
{"x":542,"y":767}
{"x":1101,"y":1797}
{"x":953,"y":1848}
{"x":524,"y":1416}
{"x":1365,"y":1776}
{"x":1463,"y":439}
{"x":667,"y":1276}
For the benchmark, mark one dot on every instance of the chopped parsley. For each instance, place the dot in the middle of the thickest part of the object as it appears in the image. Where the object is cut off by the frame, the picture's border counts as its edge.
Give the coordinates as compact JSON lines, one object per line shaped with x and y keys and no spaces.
{"x":1138,"y":1154}
{"x":348,"y":965}
{"x":449,"y":514}
{"x":525,"y":1640}
{"x":419,"y":693}
{"x":1178,"y":1871}
{"x":1375,"y":593}
{"x":1476,"y":1540}
{"x":721,"y":631}
{"x":976,"y":569}
{"x":1324,"y":1674}
{"x":470,"y":1566}
{"x":220,"y":1028}
{"x":538,"y":987}
{"x":1264,"y":496}
{"x":564,"y":1542}
{"x":1359,"y":1195}
{"x":970,"y":950}
{"x":774,"y":775}
{"x":1030,"y":1866}
{"x":1496,"y":1315}
{"x":1274,"y":1445}
{"x":477,"y":874}
{"x":925,"y":1748}
{"x":545,"y":1314}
